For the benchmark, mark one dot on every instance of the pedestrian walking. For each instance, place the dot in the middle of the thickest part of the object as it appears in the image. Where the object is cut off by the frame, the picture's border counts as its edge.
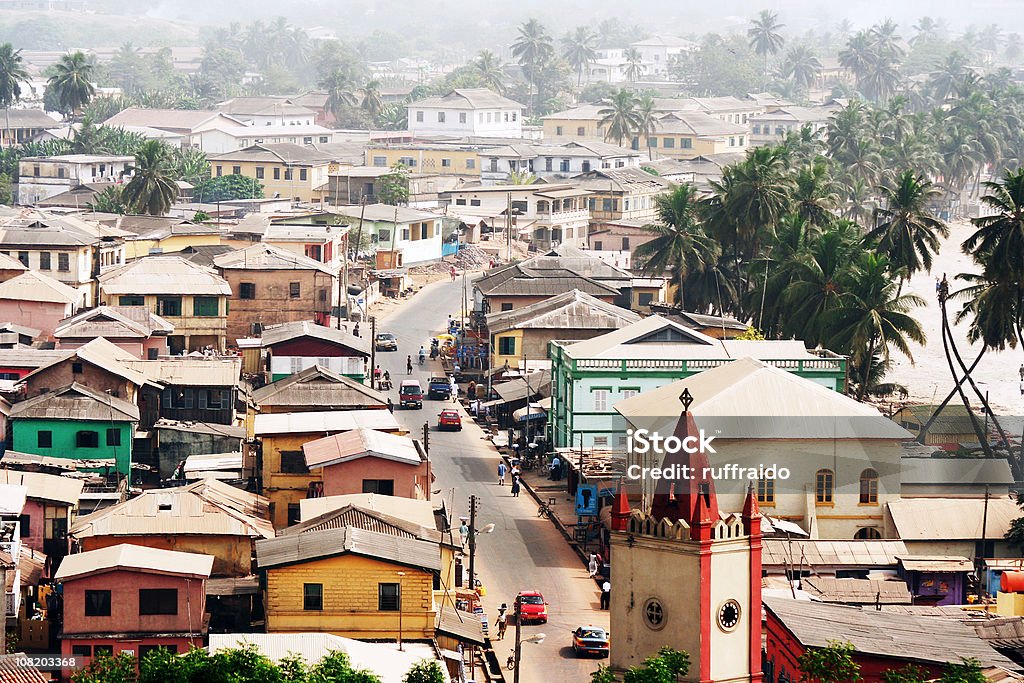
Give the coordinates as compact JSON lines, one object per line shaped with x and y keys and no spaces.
{"x":593,"y":565}
{"x":408,"y":365}
{"x":391,"y":406}
{"x":1022,"y":388}
{"x":1021,"y":372}
{"x":502,"y":469}
{"x":453,"y":273}
{"x":606,"y":594}
{"x":502,"y":620}
{"x":455,"y":390}
{"x":515,"y":487}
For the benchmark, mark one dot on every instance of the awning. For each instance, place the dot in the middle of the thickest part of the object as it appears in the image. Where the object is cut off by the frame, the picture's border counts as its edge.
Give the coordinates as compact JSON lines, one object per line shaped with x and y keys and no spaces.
{"x":531,"y":412}
{"x":462,"y":625}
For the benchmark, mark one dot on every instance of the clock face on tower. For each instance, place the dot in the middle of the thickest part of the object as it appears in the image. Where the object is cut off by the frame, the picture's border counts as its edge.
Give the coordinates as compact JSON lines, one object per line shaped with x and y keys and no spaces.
{"x":728,"y":615}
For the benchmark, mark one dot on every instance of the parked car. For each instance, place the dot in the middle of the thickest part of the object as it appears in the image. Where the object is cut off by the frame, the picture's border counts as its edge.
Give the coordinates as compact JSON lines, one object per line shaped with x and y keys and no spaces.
{"x":532,"y":607}
{"x":449,"y":419}
{"x":410,"y":394}
{"x":439,"y":388}
{"x":590,"y":640}
{"x":386,"y":342}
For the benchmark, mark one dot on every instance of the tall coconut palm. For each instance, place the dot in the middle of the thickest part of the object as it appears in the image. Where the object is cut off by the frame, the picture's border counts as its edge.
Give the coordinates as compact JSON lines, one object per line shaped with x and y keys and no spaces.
{"x":816,"y":273}
{"x":12,"y":75}
{"x":634,"y":64}
{"x":872,"y":319}
{"x":647,"y":120}
{"x":371,"y":103}
{"x":905,"y":230}
{"x":815,"y":194}
{"x":943,"y":80}
{"x":532,"y":48}
{"x":580,"y":49}
{"x":802,"y":66}
{"x":764,"y":36}
{"x":997,"y":244}
{"x":151,"y":189}
{"x":859,"y":54}
{"x":490,"y":71}
{"x":71,"y":82}
{"x":681,"y":246}
{"x":340,"y":92}
{"x":619,"y":117}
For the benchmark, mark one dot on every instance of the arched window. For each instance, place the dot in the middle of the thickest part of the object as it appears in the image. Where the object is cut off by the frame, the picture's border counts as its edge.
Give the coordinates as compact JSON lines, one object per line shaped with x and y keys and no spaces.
{"x":868,"y":533}
{"x":824,"y":483}
{"x":869,"y":487}
{"x":766,"y":491}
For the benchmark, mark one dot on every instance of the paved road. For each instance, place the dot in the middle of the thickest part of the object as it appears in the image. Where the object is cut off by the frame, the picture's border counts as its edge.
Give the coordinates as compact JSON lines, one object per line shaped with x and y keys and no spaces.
{"x":524,"y":552}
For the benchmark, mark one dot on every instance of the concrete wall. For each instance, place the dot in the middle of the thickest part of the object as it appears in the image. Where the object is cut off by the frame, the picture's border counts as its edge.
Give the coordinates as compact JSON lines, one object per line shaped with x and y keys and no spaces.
{"x":350,"y":592}
{"x":124,"y":616}
{"x":232,"y":554}
{"x":42,"y":315}
{"x":273,"y":303}
{"x":26,"y":439}
{"x":62,"y":374}
{"x":410,"y":481}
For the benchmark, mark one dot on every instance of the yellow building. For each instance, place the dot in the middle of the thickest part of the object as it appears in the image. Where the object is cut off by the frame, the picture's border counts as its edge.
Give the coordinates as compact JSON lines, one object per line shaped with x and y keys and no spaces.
{"x":286,"y":479}
{"x":163,"y":235}
{"x":579,"y":122}
{"x":192,"y":298}
{"x":350,"y":582}
{"x":429,"y":157}
{"x":622,"y":194}
{"x":284,"y":170}
{"x":689,"y":134}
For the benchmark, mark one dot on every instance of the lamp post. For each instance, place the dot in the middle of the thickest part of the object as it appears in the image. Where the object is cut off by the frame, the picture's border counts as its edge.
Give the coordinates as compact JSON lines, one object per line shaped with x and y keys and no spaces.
{"x":536,"y":639}
{"x":400,"y":575}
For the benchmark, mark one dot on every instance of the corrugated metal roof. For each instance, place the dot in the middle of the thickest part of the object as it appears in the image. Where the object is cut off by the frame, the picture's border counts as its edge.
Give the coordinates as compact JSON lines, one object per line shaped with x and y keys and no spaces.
{"x":128,"y":556}
{"x":76,"y":402}
{"x":361,"y":443}
{"x":230,"y":431}
{"x":818,"y":554}
{"x":234,"y":585}
{"x":857,"y":591}
{"x":467,"y":98}
{"x":28,"y":357}
{"x":213,"y":462}
{"x":953,"y":419}
{"x":748,"y":399}
{"x":420,"y":512}
{"x":278,"y":334}
{"x":573,"y":310}
{"x":8,"y":262}
{"x":33,"y":286}
{"x":363,"y":518}
{"x":164,"y":119}
{"x":113,"y":322}
{"x":170,"y":275}
{"x":44,"y":486}
{"x":465,"y":626}
{"x":12,"y":499}
{"x":282,"y":153}
{"x":265,"y":256}
{"x":325,"y":422}
{"x":521,"y":388}
{"x":384,"y":213}
{"x":905,"y":637}
{"x":217,"y":371}
{"x":936,"y":563}
{"x":949,"y":519}
{"x":318,"y":386}
{"x":208,"y":507}
{"x":549,"y":285}
{"x":315,"y":545}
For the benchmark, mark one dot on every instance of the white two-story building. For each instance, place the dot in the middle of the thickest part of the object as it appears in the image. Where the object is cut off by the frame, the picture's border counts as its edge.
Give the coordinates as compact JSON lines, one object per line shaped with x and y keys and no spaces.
{"x":467,"y":112}
{"x":40,"y":178}
{"x":553,"y":161}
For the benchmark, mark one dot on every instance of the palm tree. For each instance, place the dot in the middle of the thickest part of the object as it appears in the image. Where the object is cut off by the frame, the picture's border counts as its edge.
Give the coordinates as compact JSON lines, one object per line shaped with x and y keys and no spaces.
{"x":802,"y":66}
{"x":580,"y":48}
{"x":872,"y":318}
{"x":490,"y":71}
{"x":532,"y":48}
{"x":340,"y":92}
{"x":944,"y":79}
{"x":813,"y":280}
{"x":647,"y":118}
{"x":372,"y":104}
{"x":1013,"y":49}
{"x":998,"y":243}
{"x":859,"y":54}
{"x":764,"y":36}
{"x":393,"y":117}
{"x":152,"y":189}
{"x":815,"y":194}
{"x":619,"y":117}
{"x":634,"y":64}
{"x":905,"y":229}
{"x":72,"y":82}
{"x":681,"y":245}
{"x":12,"y":75}
{"x":886,"y":40}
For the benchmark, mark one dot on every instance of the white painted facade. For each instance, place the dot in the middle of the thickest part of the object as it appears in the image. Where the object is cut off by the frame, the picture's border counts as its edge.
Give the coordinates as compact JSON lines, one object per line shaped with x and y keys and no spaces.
{"x":222,"y":139}
{"x":40,"y":178}
{"x":467,"y":112}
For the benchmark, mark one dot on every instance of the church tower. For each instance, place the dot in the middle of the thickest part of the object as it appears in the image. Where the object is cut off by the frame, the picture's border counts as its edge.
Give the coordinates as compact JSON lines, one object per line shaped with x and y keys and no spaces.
{"x":687,"y":576}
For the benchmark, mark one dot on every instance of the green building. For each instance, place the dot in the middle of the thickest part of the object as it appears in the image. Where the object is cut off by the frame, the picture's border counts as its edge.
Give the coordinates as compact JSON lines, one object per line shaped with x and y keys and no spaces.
{"x":589,"y":377}
{"x":77,"y":423}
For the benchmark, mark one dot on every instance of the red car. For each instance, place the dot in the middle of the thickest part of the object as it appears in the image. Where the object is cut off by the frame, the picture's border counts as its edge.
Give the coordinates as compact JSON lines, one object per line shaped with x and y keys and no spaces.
{"x":532,"y":607}
{"x":449,"y":419}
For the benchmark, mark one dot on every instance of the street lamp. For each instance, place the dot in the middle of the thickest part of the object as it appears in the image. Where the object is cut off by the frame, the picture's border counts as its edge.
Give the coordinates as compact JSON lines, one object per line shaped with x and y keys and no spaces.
{"x":536,"y":639}
{"x":400,"y":575}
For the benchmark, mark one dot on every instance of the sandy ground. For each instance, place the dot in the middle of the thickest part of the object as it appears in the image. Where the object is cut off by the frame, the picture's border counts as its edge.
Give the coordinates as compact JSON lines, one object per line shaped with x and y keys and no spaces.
{"x":928,"y":378}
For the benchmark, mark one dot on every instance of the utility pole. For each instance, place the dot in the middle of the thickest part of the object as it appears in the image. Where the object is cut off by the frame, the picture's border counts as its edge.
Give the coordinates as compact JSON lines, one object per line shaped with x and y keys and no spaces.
{"x":343,"y":287}
{"x":519,"y":641}
{"x":980,"y":560}
{"x":473,"y":504}
{"x":508,"y":228}
{"x":373,"y":348}
{"x":426,"y":438}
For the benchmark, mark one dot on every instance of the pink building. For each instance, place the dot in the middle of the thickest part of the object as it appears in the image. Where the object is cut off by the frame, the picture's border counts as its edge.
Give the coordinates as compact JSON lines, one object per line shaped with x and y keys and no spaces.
{"x":46,"y":517}
{"x":129,"y":598}
{"x":37,"y":301}
{"x":368,"y":461}
{"x":135,"y":329}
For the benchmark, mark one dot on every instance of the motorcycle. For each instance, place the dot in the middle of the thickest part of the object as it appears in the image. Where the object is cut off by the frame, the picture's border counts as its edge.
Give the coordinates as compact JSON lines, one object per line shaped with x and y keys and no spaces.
{"x":385,"y":385}
{"x":510,"y":663}
{"x":423,"y":358}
